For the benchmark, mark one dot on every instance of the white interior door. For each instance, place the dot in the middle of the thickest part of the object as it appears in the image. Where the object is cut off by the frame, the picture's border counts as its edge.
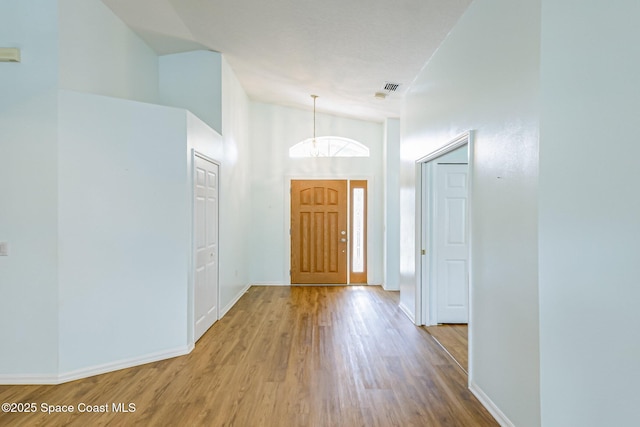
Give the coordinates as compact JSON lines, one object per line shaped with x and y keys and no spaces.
{"x":206,"y":244}
{"x":427,"y":279}
{"x":452,"y":243}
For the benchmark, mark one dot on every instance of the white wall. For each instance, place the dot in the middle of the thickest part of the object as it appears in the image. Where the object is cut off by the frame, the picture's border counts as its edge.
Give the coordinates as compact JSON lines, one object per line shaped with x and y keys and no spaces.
{"x":96,"y":194}
{"x":100,"y":54}
{"x":235,"y":191}
{"x":145,"y":151}
{"x":127,"y":297}
{"x":123,"y":228}
{"x":28,"y":190}
{"x":193,"y":80}
{"x":485,"y":77}
{"x":273,"y":130}
{"x":589,"y":214}
{"x":391,"y":167}
{"x":123,"y":199}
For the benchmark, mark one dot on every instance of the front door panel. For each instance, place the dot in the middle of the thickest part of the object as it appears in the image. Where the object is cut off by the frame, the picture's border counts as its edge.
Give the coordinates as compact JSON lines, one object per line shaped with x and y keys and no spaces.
{"x":318,"y":232}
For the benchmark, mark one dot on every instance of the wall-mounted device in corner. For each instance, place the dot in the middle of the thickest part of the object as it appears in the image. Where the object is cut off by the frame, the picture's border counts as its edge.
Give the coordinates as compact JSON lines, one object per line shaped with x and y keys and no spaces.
{"x":9,"y":54}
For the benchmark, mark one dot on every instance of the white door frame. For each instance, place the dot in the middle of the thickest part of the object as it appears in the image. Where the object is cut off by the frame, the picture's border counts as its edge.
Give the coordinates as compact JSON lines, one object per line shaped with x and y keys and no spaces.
{"x":191,"y":311}
{"x":424,"y":309}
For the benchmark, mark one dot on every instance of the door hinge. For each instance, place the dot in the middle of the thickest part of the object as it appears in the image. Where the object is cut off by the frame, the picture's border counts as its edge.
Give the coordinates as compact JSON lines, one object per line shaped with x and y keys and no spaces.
{"x":424,"y":252}
{"x":289,"y":272}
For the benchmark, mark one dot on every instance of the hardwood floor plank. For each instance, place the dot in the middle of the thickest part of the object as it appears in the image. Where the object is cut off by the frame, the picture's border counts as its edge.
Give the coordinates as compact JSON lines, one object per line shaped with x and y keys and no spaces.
{"x":283,"y":356}
{"x":454,"y":339}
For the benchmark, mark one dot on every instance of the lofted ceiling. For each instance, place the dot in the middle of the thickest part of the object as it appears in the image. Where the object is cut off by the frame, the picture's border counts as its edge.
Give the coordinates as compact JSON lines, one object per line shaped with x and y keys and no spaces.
{"x":282,"y":51}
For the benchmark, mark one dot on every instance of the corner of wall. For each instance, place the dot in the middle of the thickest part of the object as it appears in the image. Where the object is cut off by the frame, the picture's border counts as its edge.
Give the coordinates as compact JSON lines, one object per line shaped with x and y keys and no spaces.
{"x":193,"y":81}
{"x":28,"y":189}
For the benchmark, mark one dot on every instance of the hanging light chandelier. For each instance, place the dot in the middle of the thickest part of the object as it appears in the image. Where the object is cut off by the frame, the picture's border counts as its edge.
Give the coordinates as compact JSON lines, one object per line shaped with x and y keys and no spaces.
{"x":314,"y":150}
{"x":327,"y":146}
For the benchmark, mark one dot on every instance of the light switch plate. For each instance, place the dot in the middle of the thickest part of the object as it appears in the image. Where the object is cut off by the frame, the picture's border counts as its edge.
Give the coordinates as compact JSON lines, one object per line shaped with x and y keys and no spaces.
{"x":9,"y":54}
{"x":4,"y":249}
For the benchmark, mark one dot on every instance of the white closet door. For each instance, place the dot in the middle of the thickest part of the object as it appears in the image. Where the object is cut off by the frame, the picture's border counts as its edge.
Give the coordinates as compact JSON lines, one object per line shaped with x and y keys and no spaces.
{"x":206,"y":244}
{"x":452,"y":243}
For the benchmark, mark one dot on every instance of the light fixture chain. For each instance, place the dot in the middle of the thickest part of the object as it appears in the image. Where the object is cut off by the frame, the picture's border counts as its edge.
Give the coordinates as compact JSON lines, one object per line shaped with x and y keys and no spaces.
{"x":314,"y":146}
{"x":314,"y":115}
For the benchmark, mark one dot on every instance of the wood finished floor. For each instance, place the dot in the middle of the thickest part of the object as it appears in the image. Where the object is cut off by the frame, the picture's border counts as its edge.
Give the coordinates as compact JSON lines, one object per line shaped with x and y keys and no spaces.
{"x":283,"y":356}
{"x":454,"y":339}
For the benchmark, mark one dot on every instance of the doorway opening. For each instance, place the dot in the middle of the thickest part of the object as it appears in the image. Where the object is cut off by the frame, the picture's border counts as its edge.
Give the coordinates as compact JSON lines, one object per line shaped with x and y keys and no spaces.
{"x":328,"y":232}
{"x":444,"y":236}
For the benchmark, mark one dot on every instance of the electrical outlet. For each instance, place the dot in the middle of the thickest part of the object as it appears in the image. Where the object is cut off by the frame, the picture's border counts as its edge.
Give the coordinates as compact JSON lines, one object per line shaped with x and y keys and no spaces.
{"x":4,"y":249}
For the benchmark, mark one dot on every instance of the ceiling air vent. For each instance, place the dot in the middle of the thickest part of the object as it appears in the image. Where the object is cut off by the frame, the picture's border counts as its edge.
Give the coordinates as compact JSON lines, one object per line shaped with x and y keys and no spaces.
{"x":390,"y":86}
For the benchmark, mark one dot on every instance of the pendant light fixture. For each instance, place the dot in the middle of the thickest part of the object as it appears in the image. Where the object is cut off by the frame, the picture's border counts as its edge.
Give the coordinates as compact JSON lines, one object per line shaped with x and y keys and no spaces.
{"x":327,"y":146}
{"x":314,"y":149}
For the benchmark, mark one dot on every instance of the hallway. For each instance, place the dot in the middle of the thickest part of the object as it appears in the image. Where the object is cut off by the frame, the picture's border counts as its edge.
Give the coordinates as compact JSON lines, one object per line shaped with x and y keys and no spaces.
{"x":283,"y":356}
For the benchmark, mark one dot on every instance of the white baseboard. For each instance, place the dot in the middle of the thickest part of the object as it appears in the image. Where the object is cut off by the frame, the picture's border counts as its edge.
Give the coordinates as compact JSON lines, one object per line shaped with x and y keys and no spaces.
{"x":94,"y":370}
{"x":268,"y":284}
{"x":123,"y":364}
{"x":14,"y":379}
{"x":233,"y":302}
{"x":408,"y":312}
{"x":500,"y":417}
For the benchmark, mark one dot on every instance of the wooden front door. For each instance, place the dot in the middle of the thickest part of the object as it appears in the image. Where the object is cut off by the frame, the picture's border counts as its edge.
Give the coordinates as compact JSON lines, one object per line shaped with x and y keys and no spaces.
{"x":319,"y":232}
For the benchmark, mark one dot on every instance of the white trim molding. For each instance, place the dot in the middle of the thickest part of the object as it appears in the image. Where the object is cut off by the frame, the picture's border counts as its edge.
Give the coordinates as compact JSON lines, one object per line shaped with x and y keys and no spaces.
{"x":233,"y":302}
{"x":493,"y":409}
{"x":458,"y":141}
{"x":24,"y":379}
{"x":407,"y":312}
{"x":94,"y":370}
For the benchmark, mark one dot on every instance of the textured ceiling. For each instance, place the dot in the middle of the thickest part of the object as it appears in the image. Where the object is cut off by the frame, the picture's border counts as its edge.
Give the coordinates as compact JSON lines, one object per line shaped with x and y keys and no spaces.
{"x":282,"y":51}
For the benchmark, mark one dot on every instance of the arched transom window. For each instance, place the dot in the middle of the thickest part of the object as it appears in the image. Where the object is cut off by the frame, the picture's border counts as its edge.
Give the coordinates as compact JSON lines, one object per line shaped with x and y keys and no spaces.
{"x":329,"y":146}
